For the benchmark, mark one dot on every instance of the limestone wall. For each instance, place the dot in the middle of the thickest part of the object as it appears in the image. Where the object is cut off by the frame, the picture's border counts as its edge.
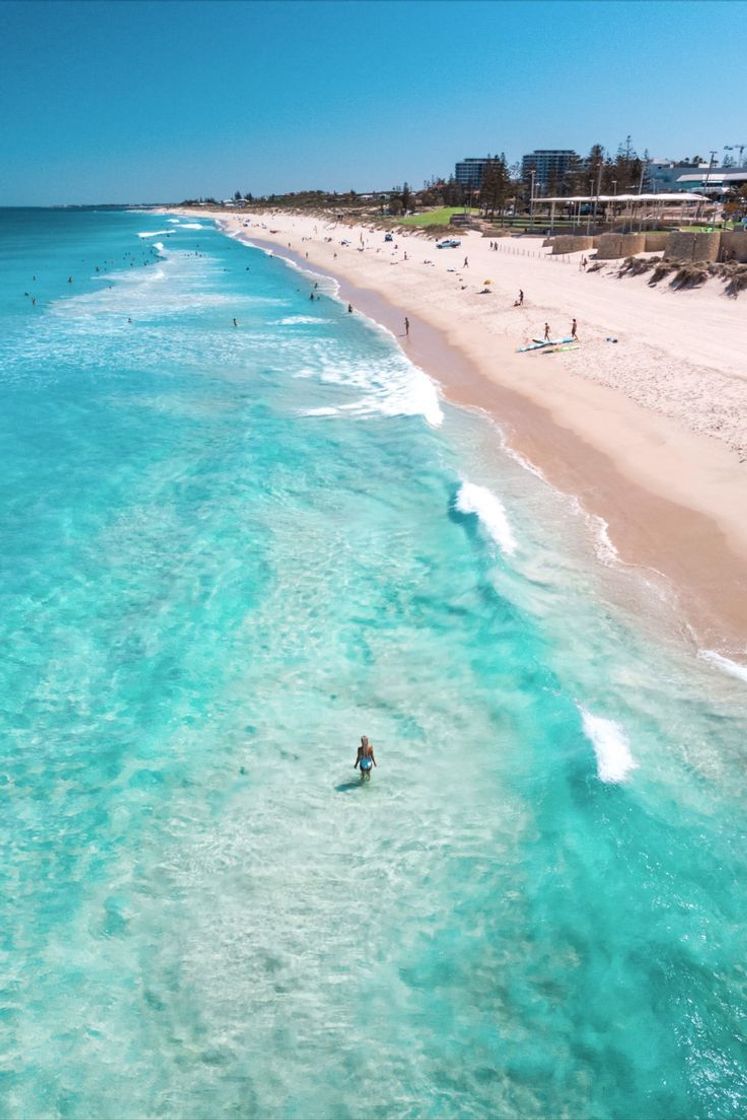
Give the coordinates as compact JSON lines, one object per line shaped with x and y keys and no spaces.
{"x":656,"y":242}
{"x":693,"y":246}
{"x":611,"y":246}
{"x":568,"y":243}
{"x":736,"y":243}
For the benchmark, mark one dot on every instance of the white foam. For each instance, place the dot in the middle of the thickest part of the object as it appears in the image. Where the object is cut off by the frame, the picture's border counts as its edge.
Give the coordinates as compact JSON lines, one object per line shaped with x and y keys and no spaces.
{"x":614,"y":760}
{"x":155,"y":232}
{"x":173,"y":221}
{"x":725,"y":664}
{"x":489,"y":511}
{"x":605,"y":550}
{"x":291,"y":320}
{"x":191,"y":225}
{"x":523,"y":461}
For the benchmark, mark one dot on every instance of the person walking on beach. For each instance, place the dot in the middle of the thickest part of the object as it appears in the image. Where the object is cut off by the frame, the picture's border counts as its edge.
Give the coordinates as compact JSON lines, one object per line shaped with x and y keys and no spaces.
{"x":520,"y":300}
{"x":365,"y":759}
{"x":547,"y":332}
{"x":574,"y":328}
{"x":407,"y":327}
{"x":466,"y":263}
{"x":350,"y":309}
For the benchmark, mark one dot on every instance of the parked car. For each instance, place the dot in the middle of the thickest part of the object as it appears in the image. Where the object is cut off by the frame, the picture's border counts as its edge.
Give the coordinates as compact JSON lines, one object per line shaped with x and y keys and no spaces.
{"x":448,"y":243}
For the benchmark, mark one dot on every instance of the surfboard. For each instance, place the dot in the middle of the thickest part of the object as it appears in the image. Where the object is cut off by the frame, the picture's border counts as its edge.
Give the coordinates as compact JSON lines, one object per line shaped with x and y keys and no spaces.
{"x":541,"y":343}
{"x":564,"y":346}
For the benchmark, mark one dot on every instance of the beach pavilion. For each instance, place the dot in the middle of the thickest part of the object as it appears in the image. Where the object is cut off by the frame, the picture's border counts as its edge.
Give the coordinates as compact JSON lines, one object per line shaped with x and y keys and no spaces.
{"x":674,"y":206}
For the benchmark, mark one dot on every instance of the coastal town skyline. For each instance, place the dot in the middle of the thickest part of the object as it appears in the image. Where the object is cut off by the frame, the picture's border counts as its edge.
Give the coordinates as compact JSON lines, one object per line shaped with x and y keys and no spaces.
{"x":158,"y":101}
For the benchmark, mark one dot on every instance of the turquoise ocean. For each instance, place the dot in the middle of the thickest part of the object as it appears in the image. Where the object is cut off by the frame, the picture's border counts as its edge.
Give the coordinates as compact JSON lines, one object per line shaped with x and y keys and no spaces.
{"x":226,"y":553}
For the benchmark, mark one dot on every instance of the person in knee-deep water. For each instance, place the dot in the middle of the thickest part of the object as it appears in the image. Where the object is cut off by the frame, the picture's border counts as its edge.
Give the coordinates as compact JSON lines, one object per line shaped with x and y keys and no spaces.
{"x":365,"y":759}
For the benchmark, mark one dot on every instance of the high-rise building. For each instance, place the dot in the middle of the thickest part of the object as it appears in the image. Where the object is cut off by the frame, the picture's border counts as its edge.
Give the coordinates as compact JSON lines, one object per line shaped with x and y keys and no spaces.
{"x":550,"y":166}
{"x":469,"y":171}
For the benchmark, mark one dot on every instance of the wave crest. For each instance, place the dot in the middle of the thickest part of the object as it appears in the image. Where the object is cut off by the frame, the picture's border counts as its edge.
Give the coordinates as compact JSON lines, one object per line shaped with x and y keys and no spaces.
{"x":611,"y":747}
{"x":488,"y":509}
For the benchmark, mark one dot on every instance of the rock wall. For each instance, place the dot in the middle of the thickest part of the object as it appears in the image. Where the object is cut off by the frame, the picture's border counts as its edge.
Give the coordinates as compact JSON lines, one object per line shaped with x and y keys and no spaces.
{"x":693,"y":246}
{"x":611,"y":246}
{"x":734,"y":243}
{"x":656,"y":242}
{"x":568,"y":243}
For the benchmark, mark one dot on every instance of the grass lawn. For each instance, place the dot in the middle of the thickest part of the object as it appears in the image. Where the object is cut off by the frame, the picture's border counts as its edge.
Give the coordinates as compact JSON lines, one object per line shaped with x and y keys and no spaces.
{"x":727,"y":228}
{"x":438,"y":217}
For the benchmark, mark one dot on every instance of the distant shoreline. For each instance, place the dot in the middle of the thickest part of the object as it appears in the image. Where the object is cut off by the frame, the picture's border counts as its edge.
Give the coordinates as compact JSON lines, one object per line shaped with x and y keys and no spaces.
{"x":672,"y":498}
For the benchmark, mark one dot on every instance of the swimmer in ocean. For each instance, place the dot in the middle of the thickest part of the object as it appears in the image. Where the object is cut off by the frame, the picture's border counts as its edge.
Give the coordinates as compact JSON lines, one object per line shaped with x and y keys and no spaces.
{"x":365,"y":759}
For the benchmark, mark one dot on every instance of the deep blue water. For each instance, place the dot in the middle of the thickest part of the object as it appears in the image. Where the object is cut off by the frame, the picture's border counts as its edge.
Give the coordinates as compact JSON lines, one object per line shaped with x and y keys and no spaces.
{"x":227,"y":552}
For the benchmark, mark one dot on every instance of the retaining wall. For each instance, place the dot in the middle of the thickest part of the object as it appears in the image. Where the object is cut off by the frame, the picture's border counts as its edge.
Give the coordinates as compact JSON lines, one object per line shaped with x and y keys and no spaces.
{"x":656,"y":242}
{"x":693,"y":246}
{"x":611,"y":246}
{"x":736,"y":243}
{"x":568,"y":243}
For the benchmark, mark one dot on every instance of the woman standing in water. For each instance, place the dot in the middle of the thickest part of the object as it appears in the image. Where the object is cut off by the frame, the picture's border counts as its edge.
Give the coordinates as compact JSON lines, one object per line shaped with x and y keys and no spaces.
{"x":365,"y":759}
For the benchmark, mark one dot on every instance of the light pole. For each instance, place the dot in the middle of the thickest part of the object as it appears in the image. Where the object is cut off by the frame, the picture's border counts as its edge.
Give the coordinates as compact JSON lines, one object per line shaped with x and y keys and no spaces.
{"x":532,"y":173}
{"x":736,"y":148}
{"x":614,"y":196}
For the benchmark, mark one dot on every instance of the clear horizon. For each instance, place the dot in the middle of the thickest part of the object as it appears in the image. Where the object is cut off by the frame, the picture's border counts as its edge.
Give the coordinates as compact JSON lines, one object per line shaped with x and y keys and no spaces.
{"x":136,"y":102}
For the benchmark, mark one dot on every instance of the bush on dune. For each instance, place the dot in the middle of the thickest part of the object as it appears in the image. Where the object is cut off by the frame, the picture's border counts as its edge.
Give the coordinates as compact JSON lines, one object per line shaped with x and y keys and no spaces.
{"x":634,"y":266}
{"x":691,"y":275}
{"x":736,"y":280}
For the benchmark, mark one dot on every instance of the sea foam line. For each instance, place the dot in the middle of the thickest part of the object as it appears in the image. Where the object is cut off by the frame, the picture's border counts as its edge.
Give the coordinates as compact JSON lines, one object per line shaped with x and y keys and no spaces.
{"x":725,"y":664}
{"x":489,"y":511}
{"x":410,"y":392}
{"x":614,"y":760}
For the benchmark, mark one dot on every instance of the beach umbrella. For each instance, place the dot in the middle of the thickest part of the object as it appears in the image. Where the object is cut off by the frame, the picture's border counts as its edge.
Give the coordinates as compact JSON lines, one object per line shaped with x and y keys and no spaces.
{"x":487,"y":281}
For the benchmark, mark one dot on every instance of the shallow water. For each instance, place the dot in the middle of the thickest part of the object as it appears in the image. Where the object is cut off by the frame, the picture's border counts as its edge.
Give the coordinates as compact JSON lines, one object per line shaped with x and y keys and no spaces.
{"x":227,"y":553}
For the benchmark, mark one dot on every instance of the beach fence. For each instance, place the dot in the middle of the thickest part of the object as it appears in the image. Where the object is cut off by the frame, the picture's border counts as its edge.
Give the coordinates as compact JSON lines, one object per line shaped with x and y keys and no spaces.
{"x":510,"y":248}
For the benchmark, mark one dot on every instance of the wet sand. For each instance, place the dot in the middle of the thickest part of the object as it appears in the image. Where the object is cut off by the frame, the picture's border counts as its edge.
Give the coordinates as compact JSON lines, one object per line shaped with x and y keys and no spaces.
{"x":673,"y":497}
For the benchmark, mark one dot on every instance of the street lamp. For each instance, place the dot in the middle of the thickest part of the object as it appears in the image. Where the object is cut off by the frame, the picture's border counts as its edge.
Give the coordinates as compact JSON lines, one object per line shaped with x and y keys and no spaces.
{"x":532,"y":173}
{"x":734,"y":148}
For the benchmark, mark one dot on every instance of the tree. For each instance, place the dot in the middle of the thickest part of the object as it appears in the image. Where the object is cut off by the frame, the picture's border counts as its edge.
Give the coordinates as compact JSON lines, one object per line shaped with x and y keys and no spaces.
{"x":406,"y":197}
{"x":495,"y":187}
{"x":625,"y":172}
{"x":576,"y":178}
{"x":736,"y":203}
{"x":237,"y":196}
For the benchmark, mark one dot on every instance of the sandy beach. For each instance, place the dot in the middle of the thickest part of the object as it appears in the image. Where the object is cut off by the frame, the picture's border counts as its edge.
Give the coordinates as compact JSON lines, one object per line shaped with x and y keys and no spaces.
{"x":649,"y":431}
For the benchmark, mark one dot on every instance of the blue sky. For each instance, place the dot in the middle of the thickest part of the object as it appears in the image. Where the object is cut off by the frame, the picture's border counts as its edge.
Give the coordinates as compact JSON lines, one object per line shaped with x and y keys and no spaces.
{"x":149,"y":101}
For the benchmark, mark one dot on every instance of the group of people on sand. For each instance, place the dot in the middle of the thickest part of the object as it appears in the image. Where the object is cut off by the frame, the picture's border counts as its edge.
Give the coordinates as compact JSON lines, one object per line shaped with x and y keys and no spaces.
{"x":519,"y":302}
{"x":574,"y":331}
